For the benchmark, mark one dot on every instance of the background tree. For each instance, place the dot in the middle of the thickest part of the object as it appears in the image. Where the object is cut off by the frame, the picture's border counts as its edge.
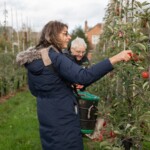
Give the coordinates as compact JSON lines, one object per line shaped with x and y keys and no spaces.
{"x":124,"y":93}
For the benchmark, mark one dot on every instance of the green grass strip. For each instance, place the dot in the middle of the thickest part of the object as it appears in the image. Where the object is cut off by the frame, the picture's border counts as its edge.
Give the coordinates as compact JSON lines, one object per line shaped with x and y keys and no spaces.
{"x":19,"y":124}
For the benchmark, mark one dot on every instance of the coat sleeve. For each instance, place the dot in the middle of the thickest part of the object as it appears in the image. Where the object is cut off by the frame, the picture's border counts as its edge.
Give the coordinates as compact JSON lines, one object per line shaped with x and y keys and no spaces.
{"x":74,"y":73}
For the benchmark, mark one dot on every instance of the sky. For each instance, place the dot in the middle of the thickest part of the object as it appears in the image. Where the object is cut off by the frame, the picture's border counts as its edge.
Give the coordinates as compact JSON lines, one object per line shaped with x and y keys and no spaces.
{"x":36,"y":13}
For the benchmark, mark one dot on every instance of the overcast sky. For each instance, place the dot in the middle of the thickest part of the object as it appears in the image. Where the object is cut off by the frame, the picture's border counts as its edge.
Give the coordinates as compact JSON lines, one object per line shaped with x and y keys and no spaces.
{"x":36,"y":13}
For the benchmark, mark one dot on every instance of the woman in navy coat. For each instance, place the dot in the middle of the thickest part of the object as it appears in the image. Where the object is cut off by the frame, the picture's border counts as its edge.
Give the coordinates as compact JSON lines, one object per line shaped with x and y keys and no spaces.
{"x":50,"y":76}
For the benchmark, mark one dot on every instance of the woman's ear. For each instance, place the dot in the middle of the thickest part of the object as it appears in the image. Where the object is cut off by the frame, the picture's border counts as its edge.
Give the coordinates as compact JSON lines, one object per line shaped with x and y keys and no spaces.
{"x":71,"y":51}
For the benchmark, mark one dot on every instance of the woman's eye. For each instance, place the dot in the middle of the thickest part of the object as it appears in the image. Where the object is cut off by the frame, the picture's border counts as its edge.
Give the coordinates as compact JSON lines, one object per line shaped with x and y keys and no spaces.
{"x":65,"y":33}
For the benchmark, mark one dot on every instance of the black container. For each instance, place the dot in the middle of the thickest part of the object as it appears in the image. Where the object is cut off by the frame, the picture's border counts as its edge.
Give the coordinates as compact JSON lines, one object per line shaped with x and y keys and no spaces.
{"x":88,"y":111}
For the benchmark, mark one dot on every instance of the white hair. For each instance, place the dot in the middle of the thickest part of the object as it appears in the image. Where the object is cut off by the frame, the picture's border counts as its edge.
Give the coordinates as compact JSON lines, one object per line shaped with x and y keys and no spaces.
{"x":78,"y":42}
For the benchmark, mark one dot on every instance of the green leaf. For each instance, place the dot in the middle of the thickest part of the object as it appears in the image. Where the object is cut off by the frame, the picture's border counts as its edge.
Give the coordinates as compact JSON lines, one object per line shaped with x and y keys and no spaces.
{"x":108,"y":148}
{"x":133,"y":128}
{"x":116,"y":104}
{"x":148,"y":25}
{"x":147,"y":139}
{"x":112,"y":38}
{"x":143,"y":38}
{"x":116,"y":148}
{"x":140,"y":46}
{"x":146,"y":84}
{"x":128,"y":126}
{"x":145,"y":3}
{"x":104,"y":143}
{"x":141,"y":68}
{"x":145,"y":114}
{"x":139,"y":4}
{"x":117,"y":132}
{"x":110,"y":28}
{"x":136,"y":15}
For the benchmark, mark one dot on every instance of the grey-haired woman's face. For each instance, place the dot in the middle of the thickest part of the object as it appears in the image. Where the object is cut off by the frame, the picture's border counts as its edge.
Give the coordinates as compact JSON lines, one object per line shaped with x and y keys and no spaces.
{"x":78,"y":52}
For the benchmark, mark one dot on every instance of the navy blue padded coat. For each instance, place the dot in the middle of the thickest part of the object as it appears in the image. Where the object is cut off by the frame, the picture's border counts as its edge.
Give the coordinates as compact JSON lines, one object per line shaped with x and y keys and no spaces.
{"x":58,"y":120}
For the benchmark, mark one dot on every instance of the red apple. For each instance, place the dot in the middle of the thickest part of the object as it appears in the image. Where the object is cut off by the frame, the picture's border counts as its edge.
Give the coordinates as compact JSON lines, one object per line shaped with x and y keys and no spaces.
{"x":145,"y":74}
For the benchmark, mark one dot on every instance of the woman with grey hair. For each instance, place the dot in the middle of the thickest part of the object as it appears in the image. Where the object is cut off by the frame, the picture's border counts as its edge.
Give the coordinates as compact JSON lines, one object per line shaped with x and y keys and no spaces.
{"x":77,"y":52}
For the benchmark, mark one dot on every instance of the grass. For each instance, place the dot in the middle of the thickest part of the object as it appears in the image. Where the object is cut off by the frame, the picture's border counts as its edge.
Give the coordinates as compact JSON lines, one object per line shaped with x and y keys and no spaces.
{"x":19,"y":125}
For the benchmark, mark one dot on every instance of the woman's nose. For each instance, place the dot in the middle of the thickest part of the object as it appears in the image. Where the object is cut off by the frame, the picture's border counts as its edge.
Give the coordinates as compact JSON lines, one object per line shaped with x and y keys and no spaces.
{"x":81,"y":54}
{"x":69,"y":36}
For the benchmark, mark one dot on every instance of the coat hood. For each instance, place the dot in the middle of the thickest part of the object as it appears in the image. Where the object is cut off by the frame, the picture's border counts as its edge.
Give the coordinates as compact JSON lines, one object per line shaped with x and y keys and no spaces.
{"x":31,"y":54}
{"x":28,"y":56}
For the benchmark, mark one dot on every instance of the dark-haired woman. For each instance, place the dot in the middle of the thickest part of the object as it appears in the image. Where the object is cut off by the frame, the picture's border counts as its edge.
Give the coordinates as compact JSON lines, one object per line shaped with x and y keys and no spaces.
{"x":50,"y":76}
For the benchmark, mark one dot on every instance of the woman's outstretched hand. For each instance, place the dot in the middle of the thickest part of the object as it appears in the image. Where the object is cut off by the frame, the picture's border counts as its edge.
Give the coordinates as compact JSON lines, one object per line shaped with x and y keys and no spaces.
{"x":125,"y":55}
